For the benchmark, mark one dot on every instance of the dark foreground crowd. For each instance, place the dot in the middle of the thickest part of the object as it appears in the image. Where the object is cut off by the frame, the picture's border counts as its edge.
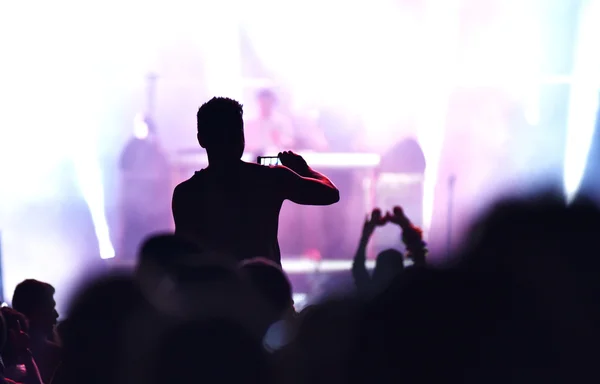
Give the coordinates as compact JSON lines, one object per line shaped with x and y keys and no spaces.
{"x":520,"y":303}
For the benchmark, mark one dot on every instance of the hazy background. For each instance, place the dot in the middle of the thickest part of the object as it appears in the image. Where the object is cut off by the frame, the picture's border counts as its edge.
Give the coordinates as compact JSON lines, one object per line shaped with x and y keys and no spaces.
{"x":500,"y":94}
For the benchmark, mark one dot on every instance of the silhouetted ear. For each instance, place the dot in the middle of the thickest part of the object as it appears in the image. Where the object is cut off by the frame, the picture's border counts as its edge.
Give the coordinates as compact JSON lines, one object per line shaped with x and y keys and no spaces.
{"x":200,"y":140}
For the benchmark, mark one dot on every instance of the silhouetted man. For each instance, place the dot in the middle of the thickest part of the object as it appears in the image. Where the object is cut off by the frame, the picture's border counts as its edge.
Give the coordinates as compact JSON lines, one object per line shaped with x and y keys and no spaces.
{"x":35,"y":300}
{"x":233,"y":206}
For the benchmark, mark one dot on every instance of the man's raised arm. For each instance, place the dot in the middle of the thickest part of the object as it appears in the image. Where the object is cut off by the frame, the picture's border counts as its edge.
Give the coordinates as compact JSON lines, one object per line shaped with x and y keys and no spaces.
{"x":304,"y":185}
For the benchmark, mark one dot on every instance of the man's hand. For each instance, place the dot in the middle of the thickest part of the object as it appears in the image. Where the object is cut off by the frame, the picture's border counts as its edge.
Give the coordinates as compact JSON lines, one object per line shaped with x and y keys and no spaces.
{"x":398,"y":217}
{"x":372,"y":222}
{"x":412,"y":236}
{"x":304,"y":185}
{"x":20,"y":340}
{"x":294,"y":162}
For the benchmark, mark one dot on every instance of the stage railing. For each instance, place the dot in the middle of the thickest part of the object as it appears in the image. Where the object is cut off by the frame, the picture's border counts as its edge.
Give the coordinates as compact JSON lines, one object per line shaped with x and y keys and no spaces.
{"x":292,"y":265}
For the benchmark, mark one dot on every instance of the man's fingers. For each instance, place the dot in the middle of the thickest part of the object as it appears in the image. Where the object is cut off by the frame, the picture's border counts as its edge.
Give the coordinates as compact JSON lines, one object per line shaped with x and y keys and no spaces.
{"x":398,"y":211}
{"x":376,"y":214}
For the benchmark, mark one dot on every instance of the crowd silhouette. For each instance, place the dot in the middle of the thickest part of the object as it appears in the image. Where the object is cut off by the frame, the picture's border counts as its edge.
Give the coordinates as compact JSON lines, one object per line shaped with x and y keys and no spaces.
{"x":519,"y":302}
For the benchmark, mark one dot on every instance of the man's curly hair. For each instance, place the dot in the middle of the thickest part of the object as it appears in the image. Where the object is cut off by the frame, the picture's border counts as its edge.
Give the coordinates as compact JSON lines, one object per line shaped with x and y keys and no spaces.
{"x":219,"y":118}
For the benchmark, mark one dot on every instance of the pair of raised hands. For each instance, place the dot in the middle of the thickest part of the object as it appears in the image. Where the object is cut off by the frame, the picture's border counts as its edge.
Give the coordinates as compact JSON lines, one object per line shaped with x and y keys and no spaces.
{"x":377,"y":219}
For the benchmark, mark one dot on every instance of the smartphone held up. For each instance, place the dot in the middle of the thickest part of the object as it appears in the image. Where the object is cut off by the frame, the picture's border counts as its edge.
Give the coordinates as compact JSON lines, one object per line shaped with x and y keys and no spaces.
{"x":268,"y":160}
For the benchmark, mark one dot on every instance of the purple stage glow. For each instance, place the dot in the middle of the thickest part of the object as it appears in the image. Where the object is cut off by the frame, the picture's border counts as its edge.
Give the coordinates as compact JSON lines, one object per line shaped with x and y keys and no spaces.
{"x":468,"y":79}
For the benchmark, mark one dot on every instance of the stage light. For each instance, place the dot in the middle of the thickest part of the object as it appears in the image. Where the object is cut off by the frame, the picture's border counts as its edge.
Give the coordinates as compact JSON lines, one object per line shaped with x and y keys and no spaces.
{"x":140,"y":127}
{"x":532,"y":109}
{"x":85,"y":156}
{"x":583,"y":102}
{"x":441,"y":39}
{"x":89,"y":178}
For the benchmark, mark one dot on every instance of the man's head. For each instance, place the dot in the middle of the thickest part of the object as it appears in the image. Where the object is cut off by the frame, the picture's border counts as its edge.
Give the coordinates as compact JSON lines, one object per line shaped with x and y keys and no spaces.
{"x":35,"y":299}
{"x":266,"y":102}
{"x":221,"y":129}
{"x":389,"y":264}
{"x":271,"y":282}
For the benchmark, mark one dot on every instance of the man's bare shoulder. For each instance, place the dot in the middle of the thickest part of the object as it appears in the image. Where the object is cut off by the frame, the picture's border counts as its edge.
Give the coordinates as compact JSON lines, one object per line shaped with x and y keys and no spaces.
{"x":187,"y":185}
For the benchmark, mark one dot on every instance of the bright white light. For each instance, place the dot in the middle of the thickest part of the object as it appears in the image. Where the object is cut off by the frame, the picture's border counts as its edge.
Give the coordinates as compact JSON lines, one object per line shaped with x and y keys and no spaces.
{"x":301,"y":265}
{"x":84,"y":155}
{"x":441,"y":38}
{"x":300,"y":299}
{"x":580,"y":129}
{"x":583,"y":103}
{"x":363,"y":61}
{"x":140,"y":127}
{"x":89,"y":178}
{"x":532,"y":107}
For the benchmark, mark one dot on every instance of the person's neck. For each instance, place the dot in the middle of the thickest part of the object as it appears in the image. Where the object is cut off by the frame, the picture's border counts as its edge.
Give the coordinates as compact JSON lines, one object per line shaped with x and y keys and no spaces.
{"x":37,"y":335}
{"x":223,"y":165}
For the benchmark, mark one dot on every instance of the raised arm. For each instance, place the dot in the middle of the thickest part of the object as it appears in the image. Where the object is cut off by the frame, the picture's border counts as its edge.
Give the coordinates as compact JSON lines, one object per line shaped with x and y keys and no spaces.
{"x":361,"y":276}
{"x":412,"y":236}
{"x":302,"y":184}
{"x":33,"y":372}
{"x":21,"y":343}
{"x":362,"y":279}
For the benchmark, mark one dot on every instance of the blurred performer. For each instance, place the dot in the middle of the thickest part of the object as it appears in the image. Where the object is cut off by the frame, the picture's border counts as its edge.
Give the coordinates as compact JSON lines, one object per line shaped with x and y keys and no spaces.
{"x":310,"y":136}
{"x":271,"y":132}
{"x":145,"y":188}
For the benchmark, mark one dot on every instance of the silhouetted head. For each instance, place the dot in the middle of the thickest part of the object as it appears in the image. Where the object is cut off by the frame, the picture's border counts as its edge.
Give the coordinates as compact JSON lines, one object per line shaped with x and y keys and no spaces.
{"x":167,"y":251}
{"x":210,"y":350}
{"x":389,"y":263}
{"x":98,"y":332}
{"x":266,"y":102}
{"x":271,"y":282}
{"x":35,"y":299}
{"x":221,"y":130}
{"x":326,"y":342}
